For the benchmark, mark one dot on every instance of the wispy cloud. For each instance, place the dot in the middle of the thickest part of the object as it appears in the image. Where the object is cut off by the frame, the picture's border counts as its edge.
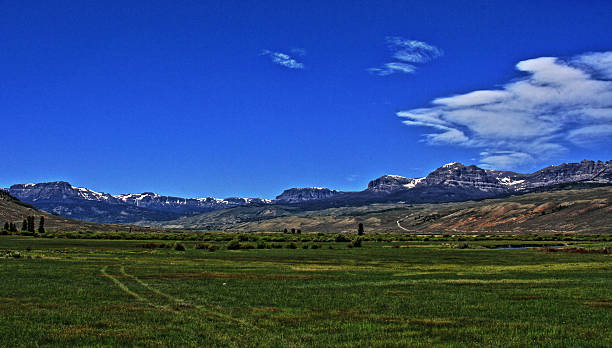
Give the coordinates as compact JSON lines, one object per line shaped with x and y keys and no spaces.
{"x":406,"y":53}
{"x":284,"y":59}
{"x":298,"y":51}
{"x":561,"y":102}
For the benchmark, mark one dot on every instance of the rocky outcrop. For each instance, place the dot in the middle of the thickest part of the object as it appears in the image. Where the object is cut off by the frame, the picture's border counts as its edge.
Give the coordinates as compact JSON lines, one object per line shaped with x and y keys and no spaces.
{"x":390,"y":183}
{"x":57,"y":191}
{"x":298,"y":195}
{"x":456,"y":175}
{"x":585,"y":171}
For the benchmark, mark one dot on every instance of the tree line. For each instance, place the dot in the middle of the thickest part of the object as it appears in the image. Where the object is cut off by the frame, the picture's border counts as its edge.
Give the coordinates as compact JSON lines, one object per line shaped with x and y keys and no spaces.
{"x":27,"y":225}
{"x":360,"y":230}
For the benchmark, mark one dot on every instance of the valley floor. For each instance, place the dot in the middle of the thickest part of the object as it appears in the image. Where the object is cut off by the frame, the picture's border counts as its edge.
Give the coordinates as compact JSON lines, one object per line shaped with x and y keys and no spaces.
{"x":80,"y":292}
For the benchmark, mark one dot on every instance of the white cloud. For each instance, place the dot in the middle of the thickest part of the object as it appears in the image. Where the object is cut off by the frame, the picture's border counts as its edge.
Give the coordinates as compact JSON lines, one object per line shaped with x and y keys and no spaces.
{"x":391,"y":68}
{"x":407,"y":53}
{"x":560,"y":102}
{"x":298,"y":51}
{"x":283,"y":59}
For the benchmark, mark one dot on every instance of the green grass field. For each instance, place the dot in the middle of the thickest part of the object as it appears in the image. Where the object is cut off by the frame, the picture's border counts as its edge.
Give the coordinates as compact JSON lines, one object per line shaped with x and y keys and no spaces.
{"x":83,"y":292}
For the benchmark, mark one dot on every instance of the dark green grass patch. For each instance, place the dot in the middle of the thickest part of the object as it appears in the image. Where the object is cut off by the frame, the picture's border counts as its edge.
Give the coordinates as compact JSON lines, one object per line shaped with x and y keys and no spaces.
{"x":78,"y":292}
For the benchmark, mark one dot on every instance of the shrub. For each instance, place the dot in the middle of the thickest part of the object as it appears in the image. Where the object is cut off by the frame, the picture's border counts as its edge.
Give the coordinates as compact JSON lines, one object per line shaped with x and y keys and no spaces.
{"x":330,"y":247}
{"x":151,"y":245}
{"x":234,"y":244}
{"x":179,"y":247}
{"x":277,"y":246}
{"x":305,"y":246}
{"x":202,"y":246}
{"x":340,"y":238}
{"x":261,"y":245}
{"x":291,"y":245}
{"x":357,"y":243}
{"x":315,"y":246}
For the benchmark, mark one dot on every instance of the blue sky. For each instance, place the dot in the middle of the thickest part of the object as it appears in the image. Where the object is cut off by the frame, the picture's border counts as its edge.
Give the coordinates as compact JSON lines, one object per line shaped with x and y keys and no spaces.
{"x":247,"y":98}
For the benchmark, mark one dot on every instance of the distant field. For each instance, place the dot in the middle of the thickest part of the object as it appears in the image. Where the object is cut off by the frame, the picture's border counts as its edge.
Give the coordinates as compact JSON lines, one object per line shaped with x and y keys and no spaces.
{"x":83,"y":292}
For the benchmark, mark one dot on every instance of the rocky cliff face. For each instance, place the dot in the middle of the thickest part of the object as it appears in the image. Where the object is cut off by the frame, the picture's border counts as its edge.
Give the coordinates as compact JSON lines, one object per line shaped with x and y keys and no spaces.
{"x":390,"y":183}
{"x":184,"y":205}
{"x":297,"y":195}
{"x":456,"y":175}
{"x":456,"y":182}
{"x":57,"y":191}
{"x":585,"y":171}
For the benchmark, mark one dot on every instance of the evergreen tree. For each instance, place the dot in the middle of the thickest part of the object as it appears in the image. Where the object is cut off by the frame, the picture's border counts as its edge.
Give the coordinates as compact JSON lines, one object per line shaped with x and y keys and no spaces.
{"x":41,"y":225}
{"x":285,"y":231}
{"x":299,"y":231}
{"x":293,"y":231}
{"x":31,"y":224}
{"x":7,"y":226}
{"x":24,"y":225}
{"x":13,"y":227}
{"x":360,"y":229}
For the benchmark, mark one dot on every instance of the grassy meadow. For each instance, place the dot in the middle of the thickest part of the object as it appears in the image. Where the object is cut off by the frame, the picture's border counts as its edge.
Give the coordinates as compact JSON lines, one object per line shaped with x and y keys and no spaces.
{"x":97,"y":292}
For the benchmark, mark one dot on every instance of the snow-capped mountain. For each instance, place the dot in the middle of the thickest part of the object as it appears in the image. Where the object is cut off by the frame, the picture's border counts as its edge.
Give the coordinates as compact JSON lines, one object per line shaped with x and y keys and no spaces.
{"x":390,"y":183}
{"x":183,"y":205}
{"x":63,"y":199}
{"x":451,"y":182}
{"x":455,"y":182}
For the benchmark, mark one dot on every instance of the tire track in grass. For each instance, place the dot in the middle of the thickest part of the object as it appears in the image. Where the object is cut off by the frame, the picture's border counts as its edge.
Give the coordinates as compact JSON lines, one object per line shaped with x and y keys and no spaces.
{"x":182,"y":302}
{"x":132,"y":293}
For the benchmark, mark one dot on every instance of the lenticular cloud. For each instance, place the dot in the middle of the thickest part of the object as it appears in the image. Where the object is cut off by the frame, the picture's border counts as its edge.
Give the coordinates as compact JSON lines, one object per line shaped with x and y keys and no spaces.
{"x":560,"y":102}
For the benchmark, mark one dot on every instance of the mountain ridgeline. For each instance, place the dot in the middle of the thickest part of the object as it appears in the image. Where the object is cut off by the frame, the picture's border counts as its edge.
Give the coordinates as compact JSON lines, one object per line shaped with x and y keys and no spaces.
{"x":61,"y":198}
{"x":453,"y":182}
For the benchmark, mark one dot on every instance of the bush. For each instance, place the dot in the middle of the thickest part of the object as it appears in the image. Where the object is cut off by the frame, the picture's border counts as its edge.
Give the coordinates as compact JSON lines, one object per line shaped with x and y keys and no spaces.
{"x":179,"y":247}
{"x":202,"y":246}
{"x":277,"y":246}
{"x":261,"y":245}
{"x":305,"y":246}
{"x":291,"y":245}
{"x":234,"y":244}
{"x":315,"y":246}
{"x":357,"y":243}
{"x":340,"y":238}
{"x":153,"y":245}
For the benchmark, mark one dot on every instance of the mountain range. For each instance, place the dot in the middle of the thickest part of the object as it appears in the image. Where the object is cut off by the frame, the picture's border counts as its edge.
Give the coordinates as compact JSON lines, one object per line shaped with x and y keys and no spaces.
{"x":61,"y":198}
{"x":453,"y":182}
